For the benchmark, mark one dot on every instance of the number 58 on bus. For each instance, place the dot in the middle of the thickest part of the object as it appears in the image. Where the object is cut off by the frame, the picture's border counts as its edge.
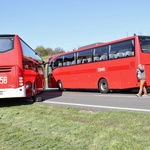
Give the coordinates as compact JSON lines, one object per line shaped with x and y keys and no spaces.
{"x":3,"y":80}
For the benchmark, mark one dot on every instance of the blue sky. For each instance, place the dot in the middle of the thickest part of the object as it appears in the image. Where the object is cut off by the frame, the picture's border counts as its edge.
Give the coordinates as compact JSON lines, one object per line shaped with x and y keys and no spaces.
{"x":69,"y":24}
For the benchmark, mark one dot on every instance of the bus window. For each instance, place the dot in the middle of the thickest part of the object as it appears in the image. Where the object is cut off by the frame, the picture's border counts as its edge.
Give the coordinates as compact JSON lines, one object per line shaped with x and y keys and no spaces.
{"x":121,"y":49}
{"x":57,"y":62}
{"x":100,"y":53}
{"x":6,"y":43}
{"x":145,"y":44}
{"x":84,"y":56}
{"x":69,"y":59}
{"x":29,"y":53}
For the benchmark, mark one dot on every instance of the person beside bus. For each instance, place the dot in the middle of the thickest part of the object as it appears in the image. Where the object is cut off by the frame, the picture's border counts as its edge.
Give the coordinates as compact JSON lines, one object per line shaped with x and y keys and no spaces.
{"x":141,"y":75}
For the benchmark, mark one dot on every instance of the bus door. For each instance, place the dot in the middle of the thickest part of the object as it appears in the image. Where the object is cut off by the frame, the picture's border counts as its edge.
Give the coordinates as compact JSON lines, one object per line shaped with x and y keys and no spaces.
{"x":52,"y":73}
{"x":49,"y":73}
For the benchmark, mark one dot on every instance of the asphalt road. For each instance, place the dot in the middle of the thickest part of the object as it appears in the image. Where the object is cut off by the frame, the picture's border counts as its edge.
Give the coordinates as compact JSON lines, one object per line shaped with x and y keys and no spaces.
{"x":95,"y":101}
{"x":88,"y":100}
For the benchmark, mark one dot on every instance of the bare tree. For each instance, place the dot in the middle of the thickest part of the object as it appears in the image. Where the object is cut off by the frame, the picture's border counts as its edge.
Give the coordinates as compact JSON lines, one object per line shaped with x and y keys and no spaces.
{"x":58,"y":50}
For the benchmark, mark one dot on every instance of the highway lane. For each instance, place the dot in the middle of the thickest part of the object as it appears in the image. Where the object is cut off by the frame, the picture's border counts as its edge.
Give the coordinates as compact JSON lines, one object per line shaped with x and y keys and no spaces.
{"x":93,"y":100}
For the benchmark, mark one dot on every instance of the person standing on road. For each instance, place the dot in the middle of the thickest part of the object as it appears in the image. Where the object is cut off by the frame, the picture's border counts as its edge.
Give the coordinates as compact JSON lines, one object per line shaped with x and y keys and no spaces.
{"x":141,"y":75}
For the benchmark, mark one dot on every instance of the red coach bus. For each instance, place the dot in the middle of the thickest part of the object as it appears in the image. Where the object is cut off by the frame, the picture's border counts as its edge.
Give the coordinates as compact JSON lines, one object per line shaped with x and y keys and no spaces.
{"x":105,"y":66}
{"x":21,"y":71}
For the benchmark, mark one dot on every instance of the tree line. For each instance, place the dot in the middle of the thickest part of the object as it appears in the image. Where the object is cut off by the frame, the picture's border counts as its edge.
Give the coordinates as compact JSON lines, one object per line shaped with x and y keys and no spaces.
{"x":42,"y":51}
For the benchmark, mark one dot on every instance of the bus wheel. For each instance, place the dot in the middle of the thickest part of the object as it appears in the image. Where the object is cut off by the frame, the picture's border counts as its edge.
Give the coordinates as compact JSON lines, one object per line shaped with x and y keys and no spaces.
{"x":60,"y":86}
{"x":43,"y":86}
{"x":35,"y":98}
{"x":34,"y":92}
{"x":103,"y":86}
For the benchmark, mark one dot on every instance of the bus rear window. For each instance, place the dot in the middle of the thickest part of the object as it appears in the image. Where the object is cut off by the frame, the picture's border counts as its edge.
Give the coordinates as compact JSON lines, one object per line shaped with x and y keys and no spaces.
{"x":6,"y":44}
{"x":145,"y":44}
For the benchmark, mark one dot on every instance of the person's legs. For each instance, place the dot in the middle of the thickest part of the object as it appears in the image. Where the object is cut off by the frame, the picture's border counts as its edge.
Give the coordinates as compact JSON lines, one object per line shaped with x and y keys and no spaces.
{"x":145,"y":91}
{"x":144,"y":88}
{"x":141,"y":87}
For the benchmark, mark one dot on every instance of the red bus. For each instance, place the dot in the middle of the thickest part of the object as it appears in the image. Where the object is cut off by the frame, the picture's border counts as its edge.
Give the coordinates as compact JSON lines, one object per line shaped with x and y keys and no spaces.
{"x":21,"y":69}
{"x":105,"y":66}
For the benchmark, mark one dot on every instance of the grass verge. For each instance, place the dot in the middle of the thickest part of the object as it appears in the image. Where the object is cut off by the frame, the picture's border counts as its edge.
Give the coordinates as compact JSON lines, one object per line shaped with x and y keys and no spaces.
{"x":40,"y":127}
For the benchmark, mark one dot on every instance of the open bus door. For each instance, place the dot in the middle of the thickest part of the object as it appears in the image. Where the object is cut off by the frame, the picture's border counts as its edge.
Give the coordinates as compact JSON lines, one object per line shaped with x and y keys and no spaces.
{"x":51,"y":80}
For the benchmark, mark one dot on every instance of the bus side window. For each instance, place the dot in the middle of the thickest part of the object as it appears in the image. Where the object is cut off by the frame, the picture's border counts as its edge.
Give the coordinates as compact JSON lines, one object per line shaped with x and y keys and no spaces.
{"x":64,"y":63}
{"x":69,"y":59}
{"x":128,"y":53}
{"x":59,"y":64}
{"x":79,"y":61}
{"x":68,"y":63}
{"x":84,"y":60}
{"x":104,"y":57}
{"x":123,"y":49}
{"x":89,"y":59}
{"x":112,"y":55}
{"x":100,"y":53}
{"x":73,"y":62}
{"x":120,"y":54}
{"x":84,"y":56}
{"x":96,"y":58}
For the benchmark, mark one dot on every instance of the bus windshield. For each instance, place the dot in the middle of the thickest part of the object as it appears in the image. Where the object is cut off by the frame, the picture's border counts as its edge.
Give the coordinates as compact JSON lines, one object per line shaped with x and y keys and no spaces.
{"x":6,"y":44}
{"x":145,"y":44}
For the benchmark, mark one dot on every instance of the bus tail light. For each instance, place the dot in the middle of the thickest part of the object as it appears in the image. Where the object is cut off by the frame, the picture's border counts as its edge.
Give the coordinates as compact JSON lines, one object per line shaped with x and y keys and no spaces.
{"x":20,"y":79}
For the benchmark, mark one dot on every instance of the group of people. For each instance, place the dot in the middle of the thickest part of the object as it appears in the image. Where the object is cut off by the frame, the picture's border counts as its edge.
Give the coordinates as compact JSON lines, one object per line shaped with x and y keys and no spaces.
{"x":141,"y":75}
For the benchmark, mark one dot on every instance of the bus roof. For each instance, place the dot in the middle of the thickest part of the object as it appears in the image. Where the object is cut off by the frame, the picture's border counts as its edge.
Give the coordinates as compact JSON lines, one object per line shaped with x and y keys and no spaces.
{"x":7,"y":35}
{"x":92,"y":46}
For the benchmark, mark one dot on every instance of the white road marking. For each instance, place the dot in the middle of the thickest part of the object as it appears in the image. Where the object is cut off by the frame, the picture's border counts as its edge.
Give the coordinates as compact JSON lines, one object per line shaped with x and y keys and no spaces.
{"x":109,"y":95}
{"x":97,"y":106}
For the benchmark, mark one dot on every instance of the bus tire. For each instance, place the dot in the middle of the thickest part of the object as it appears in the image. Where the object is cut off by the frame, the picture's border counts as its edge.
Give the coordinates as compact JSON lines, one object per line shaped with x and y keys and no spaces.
{"x":38,"y":99}
{"x":34,"y":92}
{"x":103,"y":86}
{"x":60,"y":85}
{"x":43,"y":86}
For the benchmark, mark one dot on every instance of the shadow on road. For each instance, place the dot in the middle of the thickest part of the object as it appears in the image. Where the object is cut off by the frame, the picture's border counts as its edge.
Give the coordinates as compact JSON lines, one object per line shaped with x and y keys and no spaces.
{"x":15,"y":102}
{"x":50,"y":93}
{"x":46,"y":94}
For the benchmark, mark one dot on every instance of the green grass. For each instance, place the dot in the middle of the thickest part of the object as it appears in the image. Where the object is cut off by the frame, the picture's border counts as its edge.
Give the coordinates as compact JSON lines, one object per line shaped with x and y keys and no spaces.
{"x":40,"y":127}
